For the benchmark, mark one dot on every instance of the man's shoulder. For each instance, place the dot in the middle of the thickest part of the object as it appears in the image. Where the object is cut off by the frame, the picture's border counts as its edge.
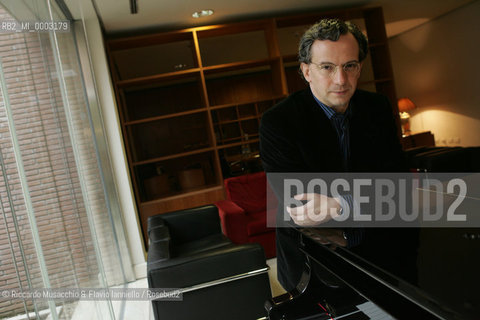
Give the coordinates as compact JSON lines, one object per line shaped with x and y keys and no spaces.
{"x":289,"y":106}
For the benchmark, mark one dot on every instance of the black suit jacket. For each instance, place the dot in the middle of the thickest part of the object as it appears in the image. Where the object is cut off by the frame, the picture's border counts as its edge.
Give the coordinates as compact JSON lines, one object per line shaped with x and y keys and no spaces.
{"x":297,"y":136}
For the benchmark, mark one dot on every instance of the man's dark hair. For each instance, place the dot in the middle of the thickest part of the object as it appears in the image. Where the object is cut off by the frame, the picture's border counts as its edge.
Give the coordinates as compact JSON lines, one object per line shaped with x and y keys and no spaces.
{"x":330,"y":29}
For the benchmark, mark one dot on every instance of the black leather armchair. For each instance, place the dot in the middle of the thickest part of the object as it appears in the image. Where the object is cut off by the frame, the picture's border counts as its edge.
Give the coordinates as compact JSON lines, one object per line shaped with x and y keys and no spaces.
{"x":218,"y":279}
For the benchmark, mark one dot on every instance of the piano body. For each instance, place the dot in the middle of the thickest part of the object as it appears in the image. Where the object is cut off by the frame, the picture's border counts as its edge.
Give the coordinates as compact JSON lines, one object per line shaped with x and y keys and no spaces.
{"x":338,"y":284}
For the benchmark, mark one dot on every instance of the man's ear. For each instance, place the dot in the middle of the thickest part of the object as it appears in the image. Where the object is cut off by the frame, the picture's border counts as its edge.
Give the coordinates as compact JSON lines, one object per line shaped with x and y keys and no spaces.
{"x":305,"y":70}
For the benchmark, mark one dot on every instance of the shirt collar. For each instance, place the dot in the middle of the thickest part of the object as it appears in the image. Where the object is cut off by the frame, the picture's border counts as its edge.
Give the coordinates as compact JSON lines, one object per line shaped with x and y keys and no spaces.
{"x":329,"y":112}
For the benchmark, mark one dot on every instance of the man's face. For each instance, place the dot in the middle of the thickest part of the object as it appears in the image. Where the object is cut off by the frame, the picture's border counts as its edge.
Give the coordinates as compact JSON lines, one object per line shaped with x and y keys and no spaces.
{"x":334,"y":90}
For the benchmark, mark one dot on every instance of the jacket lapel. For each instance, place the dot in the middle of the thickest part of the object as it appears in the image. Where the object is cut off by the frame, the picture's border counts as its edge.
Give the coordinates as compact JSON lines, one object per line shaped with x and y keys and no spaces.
{"x":321,"y":140}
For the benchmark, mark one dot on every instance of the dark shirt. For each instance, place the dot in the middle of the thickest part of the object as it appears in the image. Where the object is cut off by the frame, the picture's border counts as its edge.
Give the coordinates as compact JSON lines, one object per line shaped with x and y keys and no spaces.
{"x":341,"y":124}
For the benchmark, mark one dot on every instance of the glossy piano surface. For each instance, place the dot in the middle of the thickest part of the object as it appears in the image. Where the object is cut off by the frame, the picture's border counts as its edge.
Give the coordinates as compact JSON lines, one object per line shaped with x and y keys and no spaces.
{"x":419,"y":273}
{"x":340,"y":284}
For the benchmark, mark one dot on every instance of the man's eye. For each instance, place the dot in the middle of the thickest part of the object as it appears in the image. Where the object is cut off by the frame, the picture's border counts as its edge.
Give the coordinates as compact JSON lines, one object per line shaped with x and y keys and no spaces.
{"x":350,"y":66}
{"x":327,"y":67}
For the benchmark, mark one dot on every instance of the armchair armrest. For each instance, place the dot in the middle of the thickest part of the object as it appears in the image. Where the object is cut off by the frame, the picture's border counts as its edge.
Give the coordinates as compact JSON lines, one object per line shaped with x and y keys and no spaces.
{"x":234,"y":221}
{"x":159,"y":243}
{"x":205,"y":267}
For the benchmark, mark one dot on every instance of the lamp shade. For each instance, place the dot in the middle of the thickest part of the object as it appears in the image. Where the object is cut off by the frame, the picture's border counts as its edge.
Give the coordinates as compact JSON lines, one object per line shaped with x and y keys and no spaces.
{"x":405,"y":104}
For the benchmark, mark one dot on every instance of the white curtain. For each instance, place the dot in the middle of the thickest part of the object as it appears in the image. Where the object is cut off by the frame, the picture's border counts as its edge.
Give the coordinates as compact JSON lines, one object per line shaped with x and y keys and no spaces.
{"x":60,"y":224}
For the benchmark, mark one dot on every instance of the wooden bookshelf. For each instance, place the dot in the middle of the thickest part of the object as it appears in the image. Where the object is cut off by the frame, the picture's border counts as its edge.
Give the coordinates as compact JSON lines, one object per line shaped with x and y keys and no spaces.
{"x":190,"y":101}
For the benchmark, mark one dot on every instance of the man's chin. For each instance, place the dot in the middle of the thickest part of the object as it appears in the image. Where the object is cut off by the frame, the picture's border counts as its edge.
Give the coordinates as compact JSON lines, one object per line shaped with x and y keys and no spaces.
{"x":340,"y":101}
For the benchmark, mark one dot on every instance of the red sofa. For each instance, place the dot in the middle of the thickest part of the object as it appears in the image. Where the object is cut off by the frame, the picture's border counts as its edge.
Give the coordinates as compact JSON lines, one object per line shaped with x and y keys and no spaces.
{"x":244,"y":213}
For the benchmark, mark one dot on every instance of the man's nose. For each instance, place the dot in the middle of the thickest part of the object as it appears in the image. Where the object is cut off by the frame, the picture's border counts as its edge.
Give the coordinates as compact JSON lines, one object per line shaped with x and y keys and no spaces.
{"x":340,"y":76}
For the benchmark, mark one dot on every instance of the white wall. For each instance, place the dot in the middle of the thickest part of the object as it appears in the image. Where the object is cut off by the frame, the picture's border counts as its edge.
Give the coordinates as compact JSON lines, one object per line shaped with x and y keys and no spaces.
{"x":437,"y":65}
{"x":106,"y":96}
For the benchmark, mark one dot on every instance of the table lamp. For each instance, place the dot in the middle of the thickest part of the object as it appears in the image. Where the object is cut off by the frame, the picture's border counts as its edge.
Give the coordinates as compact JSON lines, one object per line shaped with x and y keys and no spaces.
{"x":405,"y":105}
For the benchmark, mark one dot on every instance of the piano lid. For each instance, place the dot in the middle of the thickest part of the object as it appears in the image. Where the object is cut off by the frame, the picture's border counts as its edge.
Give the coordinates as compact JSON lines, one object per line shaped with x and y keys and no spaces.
{"x":394,"y":295}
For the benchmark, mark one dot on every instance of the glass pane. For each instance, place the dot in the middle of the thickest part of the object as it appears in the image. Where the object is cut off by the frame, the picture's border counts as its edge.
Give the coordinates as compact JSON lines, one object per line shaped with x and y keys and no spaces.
{"x":55,"y":222}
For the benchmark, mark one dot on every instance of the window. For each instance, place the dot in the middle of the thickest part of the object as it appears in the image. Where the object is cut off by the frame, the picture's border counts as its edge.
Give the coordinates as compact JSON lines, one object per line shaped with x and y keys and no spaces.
{"x":57,"y":225}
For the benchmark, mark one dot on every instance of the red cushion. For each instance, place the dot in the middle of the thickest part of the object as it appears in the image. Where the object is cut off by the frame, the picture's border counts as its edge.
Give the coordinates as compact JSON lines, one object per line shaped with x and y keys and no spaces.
{"x":257,"y":223}
{"x":234,"y":221}
{"x":248,"y":191}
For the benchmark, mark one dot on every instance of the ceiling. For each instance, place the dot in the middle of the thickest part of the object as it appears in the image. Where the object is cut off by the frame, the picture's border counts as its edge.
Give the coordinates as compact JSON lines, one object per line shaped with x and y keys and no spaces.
{"x":173,"y":14}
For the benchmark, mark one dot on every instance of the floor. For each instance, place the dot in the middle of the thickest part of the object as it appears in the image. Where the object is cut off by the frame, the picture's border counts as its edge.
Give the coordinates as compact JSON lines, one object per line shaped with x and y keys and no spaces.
{"x":123,"y":310}
{"x":277,"y":289}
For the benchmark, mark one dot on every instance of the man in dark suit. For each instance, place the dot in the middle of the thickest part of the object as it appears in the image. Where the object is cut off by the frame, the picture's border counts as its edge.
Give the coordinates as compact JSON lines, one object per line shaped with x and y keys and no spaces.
{"x":329,"y":127}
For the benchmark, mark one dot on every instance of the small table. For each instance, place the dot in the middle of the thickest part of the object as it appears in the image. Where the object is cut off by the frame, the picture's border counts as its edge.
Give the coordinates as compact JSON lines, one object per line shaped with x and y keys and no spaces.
{"x":419,"y":139}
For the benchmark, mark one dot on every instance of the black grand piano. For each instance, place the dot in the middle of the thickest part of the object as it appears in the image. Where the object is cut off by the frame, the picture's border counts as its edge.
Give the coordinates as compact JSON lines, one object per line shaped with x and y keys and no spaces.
{"x":340,"y":283}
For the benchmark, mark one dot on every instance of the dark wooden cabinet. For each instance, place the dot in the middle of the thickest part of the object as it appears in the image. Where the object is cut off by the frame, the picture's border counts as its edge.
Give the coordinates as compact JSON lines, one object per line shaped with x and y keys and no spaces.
{"x":190,"y":101}
{"x":419,"y":139}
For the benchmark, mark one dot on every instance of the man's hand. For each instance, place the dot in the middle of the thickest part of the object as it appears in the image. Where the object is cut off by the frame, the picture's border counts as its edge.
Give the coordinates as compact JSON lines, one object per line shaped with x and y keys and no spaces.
{"x":319,"y":209}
